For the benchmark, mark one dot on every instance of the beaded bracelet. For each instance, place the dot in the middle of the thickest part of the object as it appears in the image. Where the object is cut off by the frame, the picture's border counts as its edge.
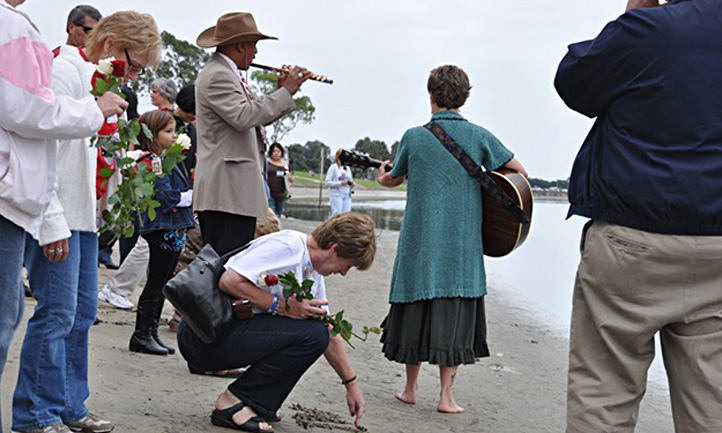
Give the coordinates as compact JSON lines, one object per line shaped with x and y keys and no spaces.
{"x":273,"y":309}
{"x":347,"y":381}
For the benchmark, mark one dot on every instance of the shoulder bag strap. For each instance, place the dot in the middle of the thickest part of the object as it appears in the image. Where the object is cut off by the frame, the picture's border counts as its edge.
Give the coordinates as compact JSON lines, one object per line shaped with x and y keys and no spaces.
{"x":475,"y":171}
{"x":224,"y":258}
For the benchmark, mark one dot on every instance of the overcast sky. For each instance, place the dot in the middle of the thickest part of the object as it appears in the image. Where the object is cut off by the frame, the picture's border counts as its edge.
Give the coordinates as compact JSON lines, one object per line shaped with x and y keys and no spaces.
{"x":379,"y":53}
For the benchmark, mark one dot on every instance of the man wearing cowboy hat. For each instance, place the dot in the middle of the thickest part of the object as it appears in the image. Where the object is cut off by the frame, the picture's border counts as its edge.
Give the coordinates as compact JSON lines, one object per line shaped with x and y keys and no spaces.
{"x":229,"y":182}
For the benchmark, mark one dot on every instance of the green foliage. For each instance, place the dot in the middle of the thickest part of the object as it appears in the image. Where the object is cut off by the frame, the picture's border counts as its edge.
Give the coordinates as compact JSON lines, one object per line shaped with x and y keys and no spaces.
{"x":181,"y":62}
{"x":394,"y":150}
{"x":308,"y":156}
{"x":546,"y":184}
{"x":266,"y":82}
{"x":303,"y":178}
{"x":339,"y":326}
{"x":135,"y":193}
{"x":376,"y":149}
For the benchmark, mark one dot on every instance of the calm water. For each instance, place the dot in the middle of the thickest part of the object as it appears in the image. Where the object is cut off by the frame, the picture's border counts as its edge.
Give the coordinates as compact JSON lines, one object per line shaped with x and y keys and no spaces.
{"x":542,"y":269}
{"x":386,"y":214}
{"x":541,"y":272}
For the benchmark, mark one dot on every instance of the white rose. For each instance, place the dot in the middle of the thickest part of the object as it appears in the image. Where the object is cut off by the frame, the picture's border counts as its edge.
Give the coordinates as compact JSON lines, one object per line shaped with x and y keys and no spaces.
{"x":105,"y":66}
{"x":184,"y":141}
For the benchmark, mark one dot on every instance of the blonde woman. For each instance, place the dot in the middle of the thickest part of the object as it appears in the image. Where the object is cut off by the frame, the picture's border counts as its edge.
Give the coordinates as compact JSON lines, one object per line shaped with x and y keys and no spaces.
{"x":340,"y":185}
{"x":281,"y":345}
{"x":53,"y":380}
{"x":33,"y":118}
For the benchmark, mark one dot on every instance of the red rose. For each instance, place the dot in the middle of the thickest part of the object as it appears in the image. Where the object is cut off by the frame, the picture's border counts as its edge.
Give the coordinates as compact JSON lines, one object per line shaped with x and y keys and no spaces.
{"x":118,"y":68}
{"x":271,"y":280}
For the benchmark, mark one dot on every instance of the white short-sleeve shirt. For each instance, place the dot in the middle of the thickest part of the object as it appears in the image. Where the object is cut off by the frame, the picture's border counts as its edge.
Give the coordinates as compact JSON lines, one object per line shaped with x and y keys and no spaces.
{"x":276,"y":254}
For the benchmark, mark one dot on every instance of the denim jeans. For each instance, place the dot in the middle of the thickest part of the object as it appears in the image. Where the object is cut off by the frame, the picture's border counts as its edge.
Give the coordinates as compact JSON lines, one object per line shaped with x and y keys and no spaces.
{"x":12,"y":300}
{"x":53,"y":380}
{"x":279,"y":350}
{"x":340,"y":203}
{"x":276,"y":205}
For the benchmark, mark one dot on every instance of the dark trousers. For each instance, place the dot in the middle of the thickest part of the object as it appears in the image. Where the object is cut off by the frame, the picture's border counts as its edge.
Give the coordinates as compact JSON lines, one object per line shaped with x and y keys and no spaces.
{"x":225,"y":231}
{"x":279,"y":350}
{"x":160,"y":268}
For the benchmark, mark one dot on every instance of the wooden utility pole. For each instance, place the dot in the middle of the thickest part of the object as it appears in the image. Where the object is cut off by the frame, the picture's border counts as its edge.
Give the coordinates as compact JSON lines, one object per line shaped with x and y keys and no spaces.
{"x":322,"y":174}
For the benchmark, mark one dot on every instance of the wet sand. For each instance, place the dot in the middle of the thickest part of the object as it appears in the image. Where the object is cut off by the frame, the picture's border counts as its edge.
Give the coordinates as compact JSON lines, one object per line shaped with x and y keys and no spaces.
{"x":519,"y":389}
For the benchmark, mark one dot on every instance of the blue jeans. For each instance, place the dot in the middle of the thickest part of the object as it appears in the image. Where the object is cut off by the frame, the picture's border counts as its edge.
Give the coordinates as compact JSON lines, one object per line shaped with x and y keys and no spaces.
{"x":53,"y":380}
{"x":11,"y":292}
{"x":340,"y":203}
{"x":279,"y":350}
{"x":276,"y":205}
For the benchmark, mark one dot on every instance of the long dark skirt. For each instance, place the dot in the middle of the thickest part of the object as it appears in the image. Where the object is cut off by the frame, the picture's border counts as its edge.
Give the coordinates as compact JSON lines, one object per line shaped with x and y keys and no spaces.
{"x":446,"y":332}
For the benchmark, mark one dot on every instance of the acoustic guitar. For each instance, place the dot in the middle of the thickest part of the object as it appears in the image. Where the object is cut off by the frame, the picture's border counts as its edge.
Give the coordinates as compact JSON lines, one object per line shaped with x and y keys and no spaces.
{"x":501,"y":233}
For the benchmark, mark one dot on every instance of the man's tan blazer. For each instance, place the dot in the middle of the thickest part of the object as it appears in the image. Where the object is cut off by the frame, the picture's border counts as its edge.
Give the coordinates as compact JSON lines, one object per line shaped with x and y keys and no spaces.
{"x":231,"y":155}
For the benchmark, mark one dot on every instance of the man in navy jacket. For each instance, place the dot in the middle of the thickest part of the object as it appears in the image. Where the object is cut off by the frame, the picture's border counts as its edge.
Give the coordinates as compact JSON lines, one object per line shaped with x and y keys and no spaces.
{"x":649,"y":176}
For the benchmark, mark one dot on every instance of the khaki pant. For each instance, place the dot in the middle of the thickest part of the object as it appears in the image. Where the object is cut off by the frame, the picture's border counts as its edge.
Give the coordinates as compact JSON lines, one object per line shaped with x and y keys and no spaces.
{"x":630,"y":285}
{"x":133,"y":269}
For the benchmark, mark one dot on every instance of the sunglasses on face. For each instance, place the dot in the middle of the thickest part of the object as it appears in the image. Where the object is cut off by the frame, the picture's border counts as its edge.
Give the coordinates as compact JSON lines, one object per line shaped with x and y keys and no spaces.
{"x":87,"y":29}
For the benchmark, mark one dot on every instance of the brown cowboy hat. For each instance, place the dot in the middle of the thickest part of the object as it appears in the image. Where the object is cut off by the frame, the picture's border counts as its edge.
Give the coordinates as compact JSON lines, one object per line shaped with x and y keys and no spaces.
{"x":231,"y":28}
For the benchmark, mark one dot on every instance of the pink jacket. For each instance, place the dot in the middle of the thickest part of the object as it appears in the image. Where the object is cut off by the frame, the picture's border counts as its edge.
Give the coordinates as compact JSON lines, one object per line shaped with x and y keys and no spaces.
{"x":32,"y":118}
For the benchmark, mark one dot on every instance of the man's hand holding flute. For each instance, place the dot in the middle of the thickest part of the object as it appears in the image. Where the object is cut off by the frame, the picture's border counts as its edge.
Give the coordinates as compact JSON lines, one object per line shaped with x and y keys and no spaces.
{"x":292,"y":78}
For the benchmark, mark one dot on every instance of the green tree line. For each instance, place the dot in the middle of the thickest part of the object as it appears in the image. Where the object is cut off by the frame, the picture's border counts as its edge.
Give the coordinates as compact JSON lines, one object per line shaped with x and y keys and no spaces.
{"x":181,"y":62}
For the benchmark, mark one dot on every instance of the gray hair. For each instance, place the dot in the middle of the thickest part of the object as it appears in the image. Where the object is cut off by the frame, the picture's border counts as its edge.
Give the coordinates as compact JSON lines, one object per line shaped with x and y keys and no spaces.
{"x":78,"y":13}
{"x":166,"y":88}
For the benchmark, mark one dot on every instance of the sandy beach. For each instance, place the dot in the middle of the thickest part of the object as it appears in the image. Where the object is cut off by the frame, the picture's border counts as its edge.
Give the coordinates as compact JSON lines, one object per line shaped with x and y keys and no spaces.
{"x":520,"y":388}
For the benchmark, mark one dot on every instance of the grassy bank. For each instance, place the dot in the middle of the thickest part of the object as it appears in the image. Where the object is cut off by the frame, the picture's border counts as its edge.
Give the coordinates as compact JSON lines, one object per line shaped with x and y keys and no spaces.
{"x":303,"y":178}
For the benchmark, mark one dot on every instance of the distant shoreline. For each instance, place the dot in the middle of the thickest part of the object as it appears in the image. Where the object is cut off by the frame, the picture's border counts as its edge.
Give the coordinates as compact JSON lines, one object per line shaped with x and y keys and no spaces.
{"x":557,"y":196}
{"x":305,"y":194}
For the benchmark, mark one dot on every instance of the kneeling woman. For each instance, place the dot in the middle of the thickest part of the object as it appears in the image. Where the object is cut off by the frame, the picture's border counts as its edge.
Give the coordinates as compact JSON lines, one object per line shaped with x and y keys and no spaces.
{"x":281,"y":345}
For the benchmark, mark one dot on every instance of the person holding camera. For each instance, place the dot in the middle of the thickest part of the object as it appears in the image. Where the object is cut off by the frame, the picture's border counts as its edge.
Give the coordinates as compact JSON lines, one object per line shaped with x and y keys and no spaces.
{"x":340,"y":185}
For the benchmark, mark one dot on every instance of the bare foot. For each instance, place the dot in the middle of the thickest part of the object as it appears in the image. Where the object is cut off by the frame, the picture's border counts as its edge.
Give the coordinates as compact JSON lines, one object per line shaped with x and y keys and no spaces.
{"x":449,"y":407}
{"x":406,"y":398}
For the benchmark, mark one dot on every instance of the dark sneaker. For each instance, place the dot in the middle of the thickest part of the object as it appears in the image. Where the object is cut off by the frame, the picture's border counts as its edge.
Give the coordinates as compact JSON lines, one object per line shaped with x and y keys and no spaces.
{"x":91,"y":424}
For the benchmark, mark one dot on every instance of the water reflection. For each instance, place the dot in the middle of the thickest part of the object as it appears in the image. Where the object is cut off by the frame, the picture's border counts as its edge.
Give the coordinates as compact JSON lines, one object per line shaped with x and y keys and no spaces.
{"x":386,"y":217}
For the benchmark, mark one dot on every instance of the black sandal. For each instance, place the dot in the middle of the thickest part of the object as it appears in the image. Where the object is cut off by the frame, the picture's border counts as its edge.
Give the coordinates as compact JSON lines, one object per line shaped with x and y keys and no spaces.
{"x":233,"y":373}
{"x":224,"y":418}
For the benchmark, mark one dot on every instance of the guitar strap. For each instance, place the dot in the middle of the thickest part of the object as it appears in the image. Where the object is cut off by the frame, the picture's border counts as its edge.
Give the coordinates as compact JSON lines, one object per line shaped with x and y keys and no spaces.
{"x":475,"y":171}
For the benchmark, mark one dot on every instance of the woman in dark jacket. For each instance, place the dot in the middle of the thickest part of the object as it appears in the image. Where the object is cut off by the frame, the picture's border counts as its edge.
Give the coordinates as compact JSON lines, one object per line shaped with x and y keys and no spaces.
{"x":277,"y":172}
{"x":165,"y":234}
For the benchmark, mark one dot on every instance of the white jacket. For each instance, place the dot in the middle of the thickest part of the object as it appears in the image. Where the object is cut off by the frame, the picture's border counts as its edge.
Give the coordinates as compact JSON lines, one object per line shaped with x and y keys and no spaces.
{"x":334,"y":176}
{"x":31,"y":119}
{"x":77,"y":161}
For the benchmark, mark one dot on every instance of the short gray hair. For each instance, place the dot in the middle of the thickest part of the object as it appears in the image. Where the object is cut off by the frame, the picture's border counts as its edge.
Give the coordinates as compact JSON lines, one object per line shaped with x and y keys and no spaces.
{"x":78,"y":13}
{"x":166,"y":88}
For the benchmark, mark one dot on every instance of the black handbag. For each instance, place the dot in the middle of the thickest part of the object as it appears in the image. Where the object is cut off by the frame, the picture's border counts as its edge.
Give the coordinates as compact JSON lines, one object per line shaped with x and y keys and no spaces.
{"x":195,"y":294}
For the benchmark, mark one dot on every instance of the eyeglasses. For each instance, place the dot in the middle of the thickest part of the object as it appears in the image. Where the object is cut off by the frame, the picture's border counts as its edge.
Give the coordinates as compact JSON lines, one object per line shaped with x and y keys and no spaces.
{"x":87,"y":29}
{"x":131,"y":67}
